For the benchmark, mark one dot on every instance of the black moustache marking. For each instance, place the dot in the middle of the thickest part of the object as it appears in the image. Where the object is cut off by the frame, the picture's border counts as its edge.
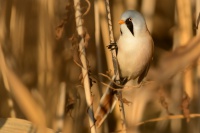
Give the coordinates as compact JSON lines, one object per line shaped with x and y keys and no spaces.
{"x":129,"y":24}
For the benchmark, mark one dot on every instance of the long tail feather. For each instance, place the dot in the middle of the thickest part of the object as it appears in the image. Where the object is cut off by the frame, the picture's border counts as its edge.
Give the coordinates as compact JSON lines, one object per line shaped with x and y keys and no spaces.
{"x":107,"y":103}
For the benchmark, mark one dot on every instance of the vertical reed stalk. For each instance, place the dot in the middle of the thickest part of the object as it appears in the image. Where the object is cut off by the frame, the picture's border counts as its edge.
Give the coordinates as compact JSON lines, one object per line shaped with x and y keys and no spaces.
{"x":86,"y":82}
{"x":115,"y":64}
{"x":47,"y":77}
{"x":184,"y":17}
{"x":2,"y":41}
{"x":45,"y":46}
{"x":198,"y":62}
{"x":17,"y":28}
{"x":59,"y":122}
{"x":97,"y":41}
{"x":198,"y":33}
{"x":185,"y":29}
{"x":148,"y":12}
{"x":177,"y":91}
{"x":105,"y":35}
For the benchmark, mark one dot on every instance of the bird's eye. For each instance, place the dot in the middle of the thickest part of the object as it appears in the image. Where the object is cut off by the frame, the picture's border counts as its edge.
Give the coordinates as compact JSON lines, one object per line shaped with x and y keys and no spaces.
{"x":130,"y":19}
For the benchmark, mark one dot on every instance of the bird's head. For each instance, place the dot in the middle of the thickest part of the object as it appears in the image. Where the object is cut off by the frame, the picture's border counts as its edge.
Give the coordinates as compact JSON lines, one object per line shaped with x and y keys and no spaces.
{"x":132,"y":22}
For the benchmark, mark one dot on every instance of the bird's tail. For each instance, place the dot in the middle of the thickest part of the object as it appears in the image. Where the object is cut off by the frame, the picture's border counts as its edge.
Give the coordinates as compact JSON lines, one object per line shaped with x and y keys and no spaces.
{"x":106,"y":105}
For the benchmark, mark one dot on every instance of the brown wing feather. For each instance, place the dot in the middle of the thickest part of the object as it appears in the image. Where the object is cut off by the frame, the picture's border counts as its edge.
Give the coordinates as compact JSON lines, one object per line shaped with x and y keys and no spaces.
{"x":144,"y":73}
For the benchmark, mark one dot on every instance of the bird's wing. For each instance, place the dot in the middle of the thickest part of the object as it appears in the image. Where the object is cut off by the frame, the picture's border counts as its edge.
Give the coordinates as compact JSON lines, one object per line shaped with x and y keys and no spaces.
{"x":144,"y":73}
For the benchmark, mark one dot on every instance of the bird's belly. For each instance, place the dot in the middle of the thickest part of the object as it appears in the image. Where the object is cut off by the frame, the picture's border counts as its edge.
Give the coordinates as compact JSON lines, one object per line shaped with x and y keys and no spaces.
{"x":130,"y":67}
{"x":133,"y":58}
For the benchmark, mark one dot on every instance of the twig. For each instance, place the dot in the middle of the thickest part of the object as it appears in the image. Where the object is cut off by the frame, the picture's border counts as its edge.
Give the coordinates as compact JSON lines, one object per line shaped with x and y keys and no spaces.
{"x":115,"y":64}
{"x":126,"y":88}
{"x":170,"y":117}
{"x":88,"y":8}
{"x":86,"y":82}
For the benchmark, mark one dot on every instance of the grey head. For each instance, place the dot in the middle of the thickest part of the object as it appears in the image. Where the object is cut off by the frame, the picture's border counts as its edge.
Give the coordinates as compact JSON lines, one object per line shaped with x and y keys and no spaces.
{"x":132,"y":22}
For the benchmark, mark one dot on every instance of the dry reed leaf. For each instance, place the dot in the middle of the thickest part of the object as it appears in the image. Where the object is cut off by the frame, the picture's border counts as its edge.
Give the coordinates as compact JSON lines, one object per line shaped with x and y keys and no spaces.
{"x":59,"y":30}
{"x":88,"y":8}
{"x":70,"y":106}
{"x":86,"y":39}
{"x":75,"y":50}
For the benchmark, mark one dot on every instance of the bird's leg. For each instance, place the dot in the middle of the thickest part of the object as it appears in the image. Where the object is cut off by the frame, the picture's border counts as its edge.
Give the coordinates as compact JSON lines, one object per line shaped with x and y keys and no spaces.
{"x":113,"y":46}
{"x":116,"y":85}
{"x":123,"y":80}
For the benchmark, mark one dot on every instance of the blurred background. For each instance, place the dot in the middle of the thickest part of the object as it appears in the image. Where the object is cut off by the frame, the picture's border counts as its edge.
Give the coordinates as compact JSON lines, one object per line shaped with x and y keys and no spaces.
{"x":38,"y":58}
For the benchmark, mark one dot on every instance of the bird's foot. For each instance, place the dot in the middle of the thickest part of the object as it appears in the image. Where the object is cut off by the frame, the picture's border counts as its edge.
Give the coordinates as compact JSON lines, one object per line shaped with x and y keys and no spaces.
{"x":122,"y":81}
{"x":112,"y":46}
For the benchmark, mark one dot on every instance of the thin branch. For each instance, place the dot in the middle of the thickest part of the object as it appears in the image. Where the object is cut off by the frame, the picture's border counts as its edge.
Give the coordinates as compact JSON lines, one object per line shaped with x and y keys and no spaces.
{"x":126,"y":88}
{"x":88,"y":8}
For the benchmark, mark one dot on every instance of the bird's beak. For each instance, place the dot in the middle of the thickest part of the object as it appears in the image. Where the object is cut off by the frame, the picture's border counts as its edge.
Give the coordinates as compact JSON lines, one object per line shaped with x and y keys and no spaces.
{"x":121,"y":21}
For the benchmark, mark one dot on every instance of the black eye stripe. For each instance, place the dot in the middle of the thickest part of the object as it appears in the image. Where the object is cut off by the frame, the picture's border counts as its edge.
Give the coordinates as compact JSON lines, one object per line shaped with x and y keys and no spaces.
{"x":129,"y":24}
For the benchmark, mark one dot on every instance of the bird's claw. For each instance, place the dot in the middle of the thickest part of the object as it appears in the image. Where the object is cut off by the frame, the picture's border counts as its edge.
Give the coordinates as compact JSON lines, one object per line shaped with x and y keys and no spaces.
{"x":112,"y":46}
{"x":122,"y":81}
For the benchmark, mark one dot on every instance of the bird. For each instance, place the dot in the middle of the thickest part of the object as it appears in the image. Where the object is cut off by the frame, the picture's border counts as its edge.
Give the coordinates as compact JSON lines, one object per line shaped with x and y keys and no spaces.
{"x":135,"y":48}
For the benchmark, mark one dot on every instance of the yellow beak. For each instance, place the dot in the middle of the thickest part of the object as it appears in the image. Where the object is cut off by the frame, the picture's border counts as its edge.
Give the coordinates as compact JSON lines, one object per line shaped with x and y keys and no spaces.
{"x":121,"y":21}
